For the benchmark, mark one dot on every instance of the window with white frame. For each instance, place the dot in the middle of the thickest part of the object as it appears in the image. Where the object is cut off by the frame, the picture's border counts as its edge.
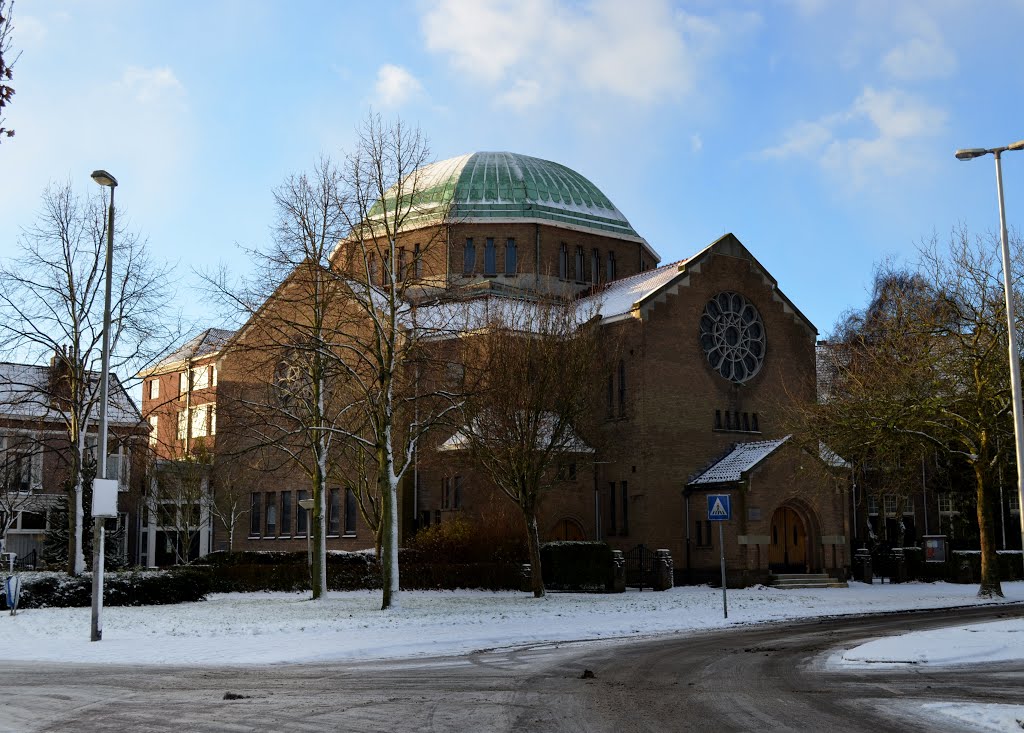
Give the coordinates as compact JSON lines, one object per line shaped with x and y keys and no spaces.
{"x":200,"y":377}
{"x":182,"y":424}
{"x":154,"y":436}
{"x":889,"y":502}
{"x":945,"y":504}
{"x":213,"y":375}
{"x":183,"y":382}
{"x":872,"y":504}
{"x":1014,"y":504}
{"x":201,"y":420}
{"x":21,"y":463}
{"x":154,"y":388}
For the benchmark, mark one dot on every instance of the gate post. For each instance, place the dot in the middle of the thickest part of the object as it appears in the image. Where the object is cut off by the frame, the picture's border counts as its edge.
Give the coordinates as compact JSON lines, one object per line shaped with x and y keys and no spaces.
{"x":617,"y":580}
{"x":662,"y":570}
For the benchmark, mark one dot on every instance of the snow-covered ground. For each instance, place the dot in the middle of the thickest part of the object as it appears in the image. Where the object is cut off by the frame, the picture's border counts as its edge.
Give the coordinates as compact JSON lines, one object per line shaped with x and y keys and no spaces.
{"x":997,"y":641}
{"x":270,"y":628}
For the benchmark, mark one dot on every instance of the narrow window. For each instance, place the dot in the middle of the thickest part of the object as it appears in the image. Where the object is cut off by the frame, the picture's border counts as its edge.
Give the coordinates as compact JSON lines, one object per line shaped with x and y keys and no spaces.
{"x":469,"y":257}
{"x":622,"y":388}
{"x":511,"y":257}
{"x":182,"y":424}
{"x":563,"y":261}
{"x":446,"y":493}
{"x":183,"y":382}
{"x":612,"y":507}
{"x":154,"y":388}
{"x":746,"y":421}
{"x":286,"y":513}
{"x":718,"y":419}
{"x":580,"y":277}
{"x":350,"y":512}
{"x":595,"y":266}
{"x":572,"y":471}
{"x":213,"y":375}
{"x":302,"y":515}
{"x":490,"y":257}
{"x":753,"y":423}
{"x":371,"y":267}
{"x":154,"y":433}
{"x":254,"y":514}
{"x":611,"y":396}
{"x":334,"y":513}
{"x":417,"y":262}
{"x":401,"y":264}
{"x":271,"y":505}
{"x":385,"y":271}
{"x":457,"y":498}
{"x":624,"y":493}
{"x":610,"y":269}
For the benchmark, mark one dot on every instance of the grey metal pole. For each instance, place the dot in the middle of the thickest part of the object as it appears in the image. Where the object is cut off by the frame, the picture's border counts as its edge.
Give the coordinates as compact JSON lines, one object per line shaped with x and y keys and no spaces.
{"x":97,"y":532}
{"x":1018,"y":411}
{"x":721,"y":544}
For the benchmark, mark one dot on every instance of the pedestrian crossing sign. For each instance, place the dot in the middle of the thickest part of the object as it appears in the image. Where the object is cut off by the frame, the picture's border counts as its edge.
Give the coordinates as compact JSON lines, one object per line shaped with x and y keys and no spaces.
{"x":719,"y":508}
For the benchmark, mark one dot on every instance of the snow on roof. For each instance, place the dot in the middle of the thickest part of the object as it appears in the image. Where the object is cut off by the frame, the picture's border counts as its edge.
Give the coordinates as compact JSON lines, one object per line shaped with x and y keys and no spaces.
{"x":739,"y":460}
{"x":208,"y":342}
{"x":619,"y":297}
{"x":569,"y":443}
{"x":25,"y":394}
{"x":446,"y":319}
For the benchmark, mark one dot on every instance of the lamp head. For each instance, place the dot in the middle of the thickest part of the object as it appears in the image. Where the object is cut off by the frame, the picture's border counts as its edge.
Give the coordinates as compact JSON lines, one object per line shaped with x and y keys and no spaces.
{"x":103,"y":178}
{"x":970,"y":153}
{"x":1019,"y":145}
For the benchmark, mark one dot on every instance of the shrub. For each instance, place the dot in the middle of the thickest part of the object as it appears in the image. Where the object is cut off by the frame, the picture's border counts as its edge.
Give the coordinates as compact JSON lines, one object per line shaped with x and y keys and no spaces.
{"x":57,"y":590}
{"x":576,"y":565}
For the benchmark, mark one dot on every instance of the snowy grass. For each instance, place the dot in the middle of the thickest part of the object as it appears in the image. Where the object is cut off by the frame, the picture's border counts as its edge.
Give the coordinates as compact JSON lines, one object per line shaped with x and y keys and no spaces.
{"x":253,"y":628}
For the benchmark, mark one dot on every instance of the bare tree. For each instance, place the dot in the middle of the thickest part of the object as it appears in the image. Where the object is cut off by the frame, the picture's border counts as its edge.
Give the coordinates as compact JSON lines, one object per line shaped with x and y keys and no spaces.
{"x":179,"y":497}
{"x":385,"y":354}
{"x":19,"y":462}
{"x":51,"y":305}
{"x":531,"y":404}
{"x":6,"y":63}
{"x":924,"y":368}
{"x":229,"y":495}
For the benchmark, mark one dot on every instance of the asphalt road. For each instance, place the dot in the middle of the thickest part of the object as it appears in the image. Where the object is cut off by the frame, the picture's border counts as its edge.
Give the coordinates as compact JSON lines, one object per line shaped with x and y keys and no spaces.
{"x":744,"y":679}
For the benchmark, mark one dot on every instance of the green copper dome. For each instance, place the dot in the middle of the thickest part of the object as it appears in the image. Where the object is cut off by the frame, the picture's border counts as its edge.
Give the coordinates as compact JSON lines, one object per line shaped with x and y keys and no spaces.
{"x":509,"y":186}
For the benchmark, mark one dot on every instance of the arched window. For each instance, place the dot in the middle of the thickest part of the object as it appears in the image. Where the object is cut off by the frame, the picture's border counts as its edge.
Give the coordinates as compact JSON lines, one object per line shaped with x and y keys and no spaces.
{"x":595,"y":266}
{"x":490,"y":257}
{"x":580,"y":277}
{"x":511,"y":257}
{"x":610,"y":269}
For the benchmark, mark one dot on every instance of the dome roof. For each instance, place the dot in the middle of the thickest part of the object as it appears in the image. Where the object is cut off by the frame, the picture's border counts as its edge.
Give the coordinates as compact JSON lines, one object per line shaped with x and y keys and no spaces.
{"x":510,"y":186}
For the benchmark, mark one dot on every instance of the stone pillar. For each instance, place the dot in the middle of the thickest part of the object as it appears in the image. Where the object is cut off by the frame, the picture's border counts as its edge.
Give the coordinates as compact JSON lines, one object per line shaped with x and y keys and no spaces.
{"x":662,"y":570}
{"x":899,"y":566}
{"x":862,"y":566}
{"x":617,"y":580}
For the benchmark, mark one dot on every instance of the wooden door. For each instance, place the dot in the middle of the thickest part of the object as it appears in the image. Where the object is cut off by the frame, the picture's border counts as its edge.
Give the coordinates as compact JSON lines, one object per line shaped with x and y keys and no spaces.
{"x":788,"y":549}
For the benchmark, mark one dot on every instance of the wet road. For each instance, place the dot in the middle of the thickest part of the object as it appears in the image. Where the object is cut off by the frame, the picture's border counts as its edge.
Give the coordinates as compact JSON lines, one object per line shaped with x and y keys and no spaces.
{"x":743,"y":679}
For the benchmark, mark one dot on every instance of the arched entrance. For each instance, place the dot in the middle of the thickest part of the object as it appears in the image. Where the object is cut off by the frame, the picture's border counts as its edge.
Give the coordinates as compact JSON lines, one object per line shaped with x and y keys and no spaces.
{"x":788,"y":550}
{"x":568,"y":530}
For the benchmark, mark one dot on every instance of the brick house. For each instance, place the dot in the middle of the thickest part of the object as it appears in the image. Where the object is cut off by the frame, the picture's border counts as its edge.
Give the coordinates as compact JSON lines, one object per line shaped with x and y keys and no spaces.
{"x":35,"y":455}
{"x":704,"y":355}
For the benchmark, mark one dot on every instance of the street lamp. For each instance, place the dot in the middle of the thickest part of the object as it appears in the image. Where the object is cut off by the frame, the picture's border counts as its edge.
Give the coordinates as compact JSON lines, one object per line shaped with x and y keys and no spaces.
{"x":1018,"y":411}
{"x":307,"y":504}
{"x":104,"y":179}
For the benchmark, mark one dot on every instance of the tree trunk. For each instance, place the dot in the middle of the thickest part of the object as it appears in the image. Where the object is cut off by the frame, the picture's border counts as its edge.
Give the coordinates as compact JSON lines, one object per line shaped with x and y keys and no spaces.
{"x":533,"y":540}
{"x":389,"y":530}
{"x":318,"y":572}
{"x":990,"y":585}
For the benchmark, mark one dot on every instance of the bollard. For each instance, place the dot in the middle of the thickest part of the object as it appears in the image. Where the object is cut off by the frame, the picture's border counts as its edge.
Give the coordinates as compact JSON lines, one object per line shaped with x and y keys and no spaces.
{"x":617,"y":582}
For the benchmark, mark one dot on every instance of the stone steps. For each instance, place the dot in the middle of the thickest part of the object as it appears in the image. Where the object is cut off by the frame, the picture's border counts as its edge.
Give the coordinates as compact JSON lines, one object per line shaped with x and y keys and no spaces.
{"x":806,"y":580}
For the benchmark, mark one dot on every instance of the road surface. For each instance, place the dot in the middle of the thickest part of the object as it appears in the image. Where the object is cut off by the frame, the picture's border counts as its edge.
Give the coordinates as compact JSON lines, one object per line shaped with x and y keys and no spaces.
{"x":743,"y":679}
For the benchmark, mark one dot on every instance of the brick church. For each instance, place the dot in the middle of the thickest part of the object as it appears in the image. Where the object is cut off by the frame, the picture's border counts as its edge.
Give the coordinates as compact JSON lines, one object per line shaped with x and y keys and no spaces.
{"x":709,"y":352}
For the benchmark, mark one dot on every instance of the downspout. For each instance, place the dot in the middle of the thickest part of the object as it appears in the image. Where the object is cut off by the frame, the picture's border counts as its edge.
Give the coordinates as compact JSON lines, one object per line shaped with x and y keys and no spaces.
{"x":686,"y":503}
{"x":536,"y":263}
{"x":448,"y":257}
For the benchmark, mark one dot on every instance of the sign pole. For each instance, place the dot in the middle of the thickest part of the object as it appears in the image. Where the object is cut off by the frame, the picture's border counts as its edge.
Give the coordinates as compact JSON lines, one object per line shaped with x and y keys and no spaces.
{"x":721,"y":544}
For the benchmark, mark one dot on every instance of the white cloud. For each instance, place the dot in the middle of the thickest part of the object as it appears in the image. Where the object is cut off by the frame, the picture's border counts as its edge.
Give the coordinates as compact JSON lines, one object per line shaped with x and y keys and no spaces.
{"x":150,"y":85}
{"x":920,"y":58}
{"x":396,"y":86}
{"x":696,"y":143}
{"x":881,"y":133}
{"x":531,"y":51}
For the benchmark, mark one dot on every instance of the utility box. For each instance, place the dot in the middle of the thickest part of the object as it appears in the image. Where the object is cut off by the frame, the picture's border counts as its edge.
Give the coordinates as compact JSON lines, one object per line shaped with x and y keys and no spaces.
{"x":104,"y":497}
{"x":935,"y":548}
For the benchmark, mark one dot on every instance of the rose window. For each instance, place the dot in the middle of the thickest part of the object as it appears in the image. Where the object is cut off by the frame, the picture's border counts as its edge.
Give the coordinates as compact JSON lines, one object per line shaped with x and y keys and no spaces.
{"x":732,"y":335}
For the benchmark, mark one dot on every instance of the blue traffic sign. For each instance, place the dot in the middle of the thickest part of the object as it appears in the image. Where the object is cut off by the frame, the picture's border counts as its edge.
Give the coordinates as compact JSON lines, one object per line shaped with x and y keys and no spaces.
{"x":719,"y":508}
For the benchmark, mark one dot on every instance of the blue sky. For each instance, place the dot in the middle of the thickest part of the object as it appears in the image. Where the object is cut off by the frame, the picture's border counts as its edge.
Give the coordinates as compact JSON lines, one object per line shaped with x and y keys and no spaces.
{"x":820,"y":133}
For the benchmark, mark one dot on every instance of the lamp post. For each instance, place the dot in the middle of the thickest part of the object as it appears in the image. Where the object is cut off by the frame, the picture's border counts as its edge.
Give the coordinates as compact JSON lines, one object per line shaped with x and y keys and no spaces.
{"x":307,"y":504}
{"x":1018,"y":411}
{"x":104,"y":179}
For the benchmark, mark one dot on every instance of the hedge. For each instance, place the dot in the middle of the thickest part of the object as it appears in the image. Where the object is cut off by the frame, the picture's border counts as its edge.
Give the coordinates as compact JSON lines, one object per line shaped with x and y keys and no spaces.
{"x":576,"y":565}
{"x":149,"y":588}
{"x":289,"y":571}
